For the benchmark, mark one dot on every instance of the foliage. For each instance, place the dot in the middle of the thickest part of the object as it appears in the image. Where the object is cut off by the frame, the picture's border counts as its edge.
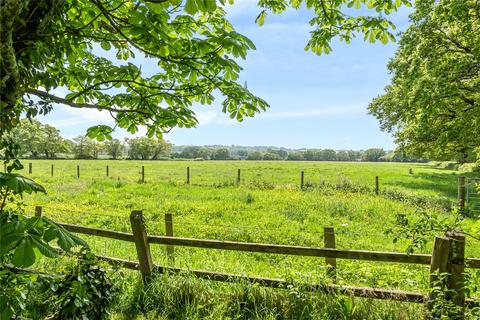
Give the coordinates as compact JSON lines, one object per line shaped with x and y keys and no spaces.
{"x":432,"y":103}
{"x":373,"y":154}
{"x":38,"y":140}
{"x":148,"y":149}
{"x":418,"y":228}
{"x":221,"y":154}
{"x":114,"y":148}
{"x":86,"y":148}
{"x":56,"y":46}
{"x":22,"y":238}
{"x":85,"y":291}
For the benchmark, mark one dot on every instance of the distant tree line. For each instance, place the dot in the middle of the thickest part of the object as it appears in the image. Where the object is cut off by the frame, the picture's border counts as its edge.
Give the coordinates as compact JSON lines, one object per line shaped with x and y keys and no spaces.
{"x":235,"y":153}
{"x":37,"y":140}
{"x":42,"y":141}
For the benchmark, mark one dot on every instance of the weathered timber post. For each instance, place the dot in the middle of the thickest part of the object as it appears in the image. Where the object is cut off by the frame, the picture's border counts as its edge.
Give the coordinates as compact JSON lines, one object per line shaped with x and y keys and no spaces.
{"x":107,"y":171}
{"x":461,"y":192}
{"x":456,"y":269}
{"x":188,"y":175}
{"x":329,"y":242}
{"x":78,"y":171}
{"x":143,"y":174}
{"x":238,"y":176}
{"x":38,"y":211}
{"x":141,"y":244}
{"x":377,"y":185}
{"x":30,"y":168}
{"x":438,"y":266}
{"x":302,"y":179}
{"x":4,"y":167}
{"x":169,"y":233}
{"x":51,"y":170}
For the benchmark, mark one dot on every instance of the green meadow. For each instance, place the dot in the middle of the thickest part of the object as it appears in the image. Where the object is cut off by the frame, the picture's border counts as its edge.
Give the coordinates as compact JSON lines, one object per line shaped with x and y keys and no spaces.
{"x":267,"y":206}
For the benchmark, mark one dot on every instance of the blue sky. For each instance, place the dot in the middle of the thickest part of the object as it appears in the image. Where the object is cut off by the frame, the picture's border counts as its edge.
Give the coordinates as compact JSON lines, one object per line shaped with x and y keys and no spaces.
{"x":316,"y":101}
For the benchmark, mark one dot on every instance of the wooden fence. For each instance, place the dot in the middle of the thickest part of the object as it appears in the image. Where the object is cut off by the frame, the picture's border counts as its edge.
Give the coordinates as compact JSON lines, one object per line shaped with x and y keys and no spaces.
{"x":447,"y":257}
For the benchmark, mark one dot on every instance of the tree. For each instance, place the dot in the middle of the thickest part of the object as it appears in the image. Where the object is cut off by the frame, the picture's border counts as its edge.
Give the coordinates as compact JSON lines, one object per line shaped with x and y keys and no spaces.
{"x":271,"y":156}
{"x":433,"y":102}
{"x":141,"y":148}
{"x":86,"y":148}
{"x":221,"y":154}
{"x":327,"y":155}
{"x":255,"y":155}
{"x":147,"y":149}
{"x":342,"y":156}
{"x":282,"y":154}
{"x":51,"y":45}
{"x":373,"y":154}
{"x":162,"y":149}
{"x":114,"y":148}
{"x":312,"y":155}
{"x":295,"y":156}
{"x":38,"y":140}
{"x":48,"y":45}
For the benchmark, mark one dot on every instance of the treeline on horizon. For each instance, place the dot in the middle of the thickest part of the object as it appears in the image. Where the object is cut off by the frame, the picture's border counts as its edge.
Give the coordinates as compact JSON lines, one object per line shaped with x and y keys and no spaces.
{"x":37,"y":140}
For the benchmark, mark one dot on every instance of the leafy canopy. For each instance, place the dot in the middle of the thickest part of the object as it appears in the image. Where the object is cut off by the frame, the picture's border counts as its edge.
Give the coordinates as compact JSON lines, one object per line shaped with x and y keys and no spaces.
{"x":87,"y":49}
{"x":433,"y":102}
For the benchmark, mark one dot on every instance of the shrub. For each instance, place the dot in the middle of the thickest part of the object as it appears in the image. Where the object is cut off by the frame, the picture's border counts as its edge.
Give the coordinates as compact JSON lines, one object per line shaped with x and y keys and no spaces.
{"x":469,"y":167}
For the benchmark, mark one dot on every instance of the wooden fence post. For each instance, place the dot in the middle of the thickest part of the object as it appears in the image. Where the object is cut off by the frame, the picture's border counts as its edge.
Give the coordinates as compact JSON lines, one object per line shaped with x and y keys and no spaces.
{"x":30,"y":168}
{"x":238,"y":176}
{"x":329,"y":242}
{"x":169,"y":233}
{"x":38,"y":211}
{"x":438,"y":265}
{"x":456,"y":269}
{"x":461,"y":192}
{"x":141,"y":244}
{"x":302,"y":179}
{"x":78,"y":171}
{"x":188,"y":175}
{"x":51,"y":170}
{"x":107,"y":172}
{"x":377,"y":185}
{"x":143,"y":174}
{"x":5,"y":167}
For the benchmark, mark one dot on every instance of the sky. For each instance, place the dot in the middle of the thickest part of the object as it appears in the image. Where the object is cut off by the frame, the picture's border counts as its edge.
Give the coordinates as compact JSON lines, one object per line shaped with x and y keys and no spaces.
{"x":315,"y":101}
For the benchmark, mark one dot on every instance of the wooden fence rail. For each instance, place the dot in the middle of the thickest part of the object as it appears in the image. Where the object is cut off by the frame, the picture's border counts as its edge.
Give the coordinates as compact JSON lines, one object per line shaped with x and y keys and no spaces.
{"x":440,"y":260}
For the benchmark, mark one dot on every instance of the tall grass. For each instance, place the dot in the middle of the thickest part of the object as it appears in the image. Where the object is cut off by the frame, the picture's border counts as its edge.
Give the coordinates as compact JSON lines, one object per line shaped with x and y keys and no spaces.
{"x":185,"y":297}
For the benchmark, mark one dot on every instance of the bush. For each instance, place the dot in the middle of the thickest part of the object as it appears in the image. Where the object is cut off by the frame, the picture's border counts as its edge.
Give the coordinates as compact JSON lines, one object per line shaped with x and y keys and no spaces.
{"x":469,"y":167}
{"x":84,"y":293}
{"x":448,"y":165}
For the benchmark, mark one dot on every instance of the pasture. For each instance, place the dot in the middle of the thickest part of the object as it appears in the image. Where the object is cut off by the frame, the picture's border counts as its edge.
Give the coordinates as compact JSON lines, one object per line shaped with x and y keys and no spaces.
{"x":267,"y":206}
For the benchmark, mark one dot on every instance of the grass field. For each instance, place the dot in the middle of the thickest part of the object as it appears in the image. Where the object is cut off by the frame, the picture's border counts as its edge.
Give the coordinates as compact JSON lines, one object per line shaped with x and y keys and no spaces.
{"x":268,"y":206}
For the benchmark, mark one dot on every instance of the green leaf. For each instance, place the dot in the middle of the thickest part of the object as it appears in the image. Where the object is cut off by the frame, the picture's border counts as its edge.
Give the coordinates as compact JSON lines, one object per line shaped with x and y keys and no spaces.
{"x":19,"y":184}
{"x":191,"y":7}
{"x":44,"y":247}
{"x":24,"y":256}
{"x":105,"y":45}
{"x":210,"y":5}
{"x":260,"y":20}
